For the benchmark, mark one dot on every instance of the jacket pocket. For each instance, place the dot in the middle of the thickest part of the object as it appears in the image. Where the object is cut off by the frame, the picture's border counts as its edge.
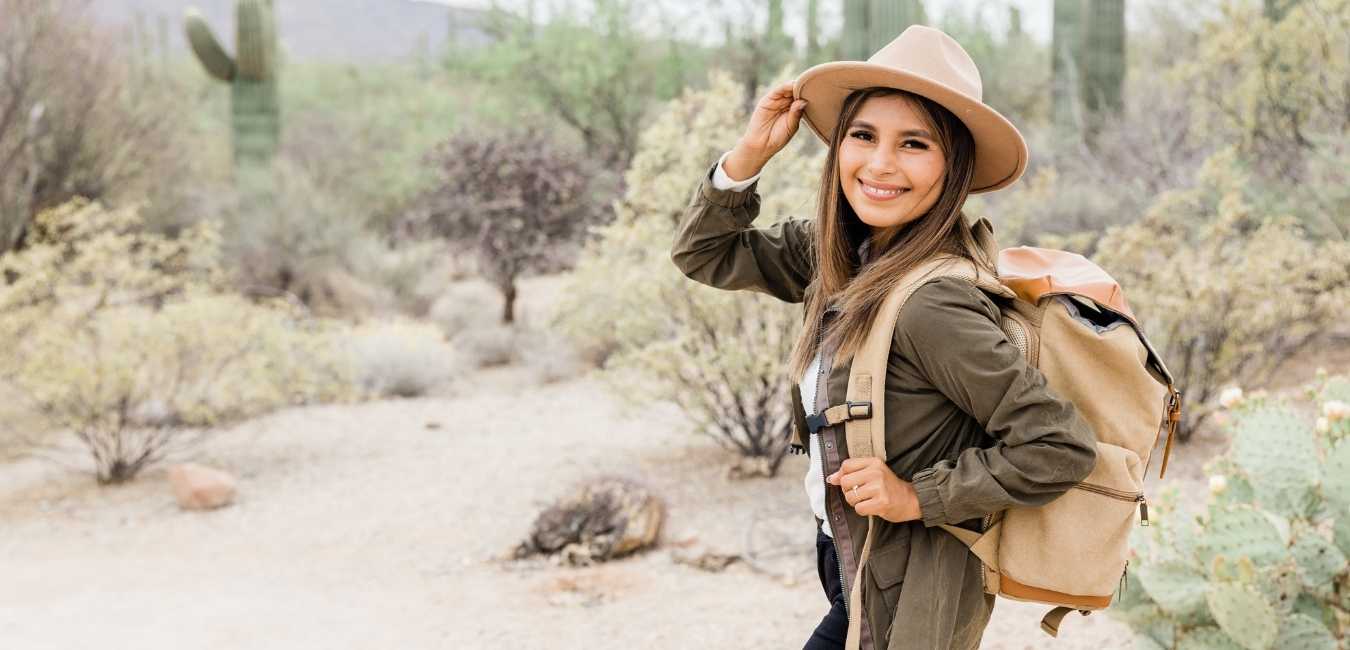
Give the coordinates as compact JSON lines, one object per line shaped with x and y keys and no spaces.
{"x":1077,"y":544}
{"x":886,"y":575}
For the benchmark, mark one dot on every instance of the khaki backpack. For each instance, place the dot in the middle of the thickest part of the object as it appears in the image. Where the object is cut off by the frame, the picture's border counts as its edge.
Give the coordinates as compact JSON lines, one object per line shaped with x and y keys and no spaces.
{"x":1071,"y":322}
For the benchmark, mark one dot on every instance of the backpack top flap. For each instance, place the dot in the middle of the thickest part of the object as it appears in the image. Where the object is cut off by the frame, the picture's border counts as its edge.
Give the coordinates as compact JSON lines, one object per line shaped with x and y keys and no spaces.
{"x":1037,"y":272}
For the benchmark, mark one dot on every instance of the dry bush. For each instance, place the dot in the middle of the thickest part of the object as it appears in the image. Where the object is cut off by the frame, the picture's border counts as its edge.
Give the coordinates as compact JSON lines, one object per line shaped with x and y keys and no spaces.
{"x":74,"y":118}
{"x":400,"y":358}
{"x":718,"y":355}
{"x":1227,"y":292}
{"x":485,"y":347}
{"x":129,"y":343}
{"x":1272,"y":86}
{"x":467,"y":305}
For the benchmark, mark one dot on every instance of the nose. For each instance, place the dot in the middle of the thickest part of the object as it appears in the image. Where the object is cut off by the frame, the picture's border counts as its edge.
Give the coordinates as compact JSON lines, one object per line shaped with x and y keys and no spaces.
{"x":881,"y":163}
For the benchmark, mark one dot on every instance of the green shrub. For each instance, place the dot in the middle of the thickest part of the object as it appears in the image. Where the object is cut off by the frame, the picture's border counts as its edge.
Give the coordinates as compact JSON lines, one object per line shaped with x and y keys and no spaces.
{"x":127,"y":341}
{"x":718,"y":355}
{"x":1227,"y":292}
{"x":1264,"y":566}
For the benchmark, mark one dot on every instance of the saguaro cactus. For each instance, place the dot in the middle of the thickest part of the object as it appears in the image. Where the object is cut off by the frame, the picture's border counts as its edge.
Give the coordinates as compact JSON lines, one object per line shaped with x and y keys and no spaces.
{"x":1066,"y":41}
{"x":252,"y":75}
{"x":1103,"y":55}
{"x":870,"y":24}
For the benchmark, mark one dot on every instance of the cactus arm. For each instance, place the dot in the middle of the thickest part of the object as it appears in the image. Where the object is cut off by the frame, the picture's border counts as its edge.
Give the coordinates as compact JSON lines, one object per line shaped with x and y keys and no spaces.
{"x":255,"y":40}
{"x":212,"y":56}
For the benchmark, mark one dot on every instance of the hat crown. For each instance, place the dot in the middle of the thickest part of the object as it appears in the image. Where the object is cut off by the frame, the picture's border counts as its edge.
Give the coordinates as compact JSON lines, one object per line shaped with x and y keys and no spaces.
{"x":931,"y":53}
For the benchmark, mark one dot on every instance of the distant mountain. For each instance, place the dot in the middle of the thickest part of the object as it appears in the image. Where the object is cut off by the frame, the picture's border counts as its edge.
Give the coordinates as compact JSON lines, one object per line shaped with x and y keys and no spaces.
{"x":311,"y":30}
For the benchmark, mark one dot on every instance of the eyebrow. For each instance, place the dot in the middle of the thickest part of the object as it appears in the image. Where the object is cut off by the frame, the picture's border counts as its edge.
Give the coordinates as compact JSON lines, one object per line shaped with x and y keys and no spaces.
{"x":908,"y":132}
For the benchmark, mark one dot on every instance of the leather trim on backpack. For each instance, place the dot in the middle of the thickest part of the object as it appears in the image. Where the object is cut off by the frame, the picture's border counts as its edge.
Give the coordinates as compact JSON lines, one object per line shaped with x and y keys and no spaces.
{"x":1014,"y":589}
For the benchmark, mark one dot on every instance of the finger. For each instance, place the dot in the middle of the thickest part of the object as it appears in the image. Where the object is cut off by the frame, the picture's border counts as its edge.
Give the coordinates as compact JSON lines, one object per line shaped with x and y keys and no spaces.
{"x":854,"y":464}
{"x":867,"y":507}
{"x":861,"y":492}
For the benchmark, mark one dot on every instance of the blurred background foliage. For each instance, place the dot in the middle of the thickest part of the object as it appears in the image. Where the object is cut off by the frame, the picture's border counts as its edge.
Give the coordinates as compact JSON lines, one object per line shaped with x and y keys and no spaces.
{"x":1197,"y":150}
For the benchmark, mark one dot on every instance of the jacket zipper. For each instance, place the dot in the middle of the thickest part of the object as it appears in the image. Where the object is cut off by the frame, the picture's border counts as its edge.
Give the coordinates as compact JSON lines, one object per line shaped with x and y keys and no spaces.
{"x":1137,"y":497}
{"x":815,"y":395}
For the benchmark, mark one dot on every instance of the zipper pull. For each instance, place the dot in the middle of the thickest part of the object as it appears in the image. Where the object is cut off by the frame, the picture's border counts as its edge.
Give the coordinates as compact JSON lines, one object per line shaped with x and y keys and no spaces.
{"x":1143,"y":511}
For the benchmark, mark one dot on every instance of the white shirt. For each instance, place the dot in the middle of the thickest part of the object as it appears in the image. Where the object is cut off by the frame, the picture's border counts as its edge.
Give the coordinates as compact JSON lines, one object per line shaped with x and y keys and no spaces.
{"x":723,"y":182}
{"x":814,"y":482}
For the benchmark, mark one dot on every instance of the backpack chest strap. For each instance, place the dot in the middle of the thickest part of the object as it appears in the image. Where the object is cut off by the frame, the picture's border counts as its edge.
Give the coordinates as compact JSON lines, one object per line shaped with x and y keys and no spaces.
{"x":837,"y":414}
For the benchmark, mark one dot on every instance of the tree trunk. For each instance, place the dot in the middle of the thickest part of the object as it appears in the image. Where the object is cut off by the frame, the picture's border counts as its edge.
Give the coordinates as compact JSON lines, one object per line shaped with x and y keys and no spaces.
{"x":509,"y":302}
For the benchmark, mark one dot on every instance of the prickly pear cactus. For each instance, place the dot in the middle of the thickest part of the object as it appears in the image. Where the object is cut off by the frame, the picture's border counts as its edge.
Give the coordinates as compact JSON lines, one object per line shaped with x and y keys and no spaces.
{"x":1265,"y":564}
{"x":252,"y":75}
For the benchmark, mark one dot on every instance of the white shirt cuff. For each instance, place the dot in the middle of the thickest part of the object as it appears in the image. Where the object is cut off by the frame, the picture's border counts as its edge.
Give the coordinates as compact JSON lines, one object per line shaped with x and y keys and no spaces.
{"x":721,"y":181}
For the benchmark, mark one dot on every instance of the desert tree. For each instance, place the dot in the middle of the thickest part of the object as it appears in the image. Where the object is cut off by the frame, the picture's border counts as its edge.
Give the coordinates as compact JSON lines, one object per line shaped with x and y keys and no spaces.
{"x":518,"y":199}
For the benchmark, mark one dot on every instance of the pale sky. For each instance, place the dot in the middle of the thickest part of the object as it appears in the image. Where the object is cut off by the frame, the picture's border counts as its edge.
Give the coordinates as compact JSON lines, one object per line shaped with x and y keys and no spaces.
{"x":706,"y":15}
{"x":702,"y":19}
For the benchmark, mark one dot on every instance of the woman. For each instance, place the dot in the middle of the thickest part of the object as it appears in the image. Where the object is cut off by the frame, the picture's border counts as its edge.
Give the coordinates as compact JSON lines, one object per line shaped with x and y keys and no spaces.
{"x":970,"y":427}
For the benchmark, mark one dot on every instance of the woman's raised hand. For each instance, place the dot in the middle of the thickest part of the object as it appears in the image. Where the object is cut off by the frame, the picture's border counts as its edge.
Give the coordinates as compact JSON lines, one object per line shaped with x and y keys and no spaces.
{"x":772,"y":126}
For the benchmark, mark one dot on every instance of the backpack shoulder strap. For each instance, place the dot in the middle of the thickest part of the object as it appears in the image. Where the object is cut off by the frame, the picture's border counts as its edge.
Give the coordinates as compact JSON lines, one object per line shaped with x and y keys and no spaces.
{"x":867,"y":373}
{"x":865,"y":432}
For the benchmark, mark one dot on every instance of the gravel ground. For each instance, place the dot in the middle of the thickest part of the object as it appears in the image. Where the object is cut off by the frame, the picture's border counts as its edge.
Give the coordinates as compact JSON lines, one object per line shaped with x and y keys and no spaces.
{"x":374,"y":526}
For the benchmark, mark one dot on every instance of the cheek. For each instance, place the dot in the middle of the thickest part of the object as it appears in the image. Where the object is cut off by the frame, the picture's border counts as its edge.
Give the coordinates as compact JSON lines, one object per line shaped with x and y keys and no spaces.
{"x":848,"y":162}
{"x":927,"y":170}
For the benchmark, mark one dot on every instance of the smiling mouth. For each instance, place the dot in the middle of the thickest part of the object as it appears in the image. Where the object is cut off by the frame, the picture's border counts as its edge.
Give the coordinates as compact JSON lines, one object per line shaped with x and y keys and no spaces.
{"x":877,"y":194}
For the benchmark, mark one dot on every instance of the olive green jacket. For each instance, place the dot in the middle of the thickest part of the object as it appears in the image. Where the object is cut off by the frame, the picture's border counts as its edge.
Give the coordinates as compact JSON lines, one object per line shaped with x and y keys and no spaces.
{"x":968,"y":421}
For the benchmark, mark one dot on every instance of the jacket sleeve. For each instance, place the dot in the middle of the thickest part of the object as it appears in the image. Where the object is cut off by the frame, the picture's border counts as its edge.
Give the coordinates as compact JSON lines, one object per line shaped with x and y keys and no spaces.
{"x":716,"y":245}
{"x":1043,"y":446}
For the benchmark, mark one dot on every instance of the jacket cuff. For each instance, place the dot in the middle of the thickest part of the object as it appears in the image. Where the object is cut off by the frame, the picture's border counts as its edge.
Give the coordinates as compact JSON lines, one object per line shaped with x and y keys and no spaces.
{"x":931,"y":508}
{"x":727,"y":198}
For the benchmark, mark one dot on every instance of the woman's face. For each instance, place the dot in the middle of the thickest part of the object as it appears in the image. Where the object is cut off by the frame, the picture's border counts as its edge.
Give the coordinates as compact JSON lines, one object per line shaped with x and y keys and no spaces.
{"x":890,"y":165}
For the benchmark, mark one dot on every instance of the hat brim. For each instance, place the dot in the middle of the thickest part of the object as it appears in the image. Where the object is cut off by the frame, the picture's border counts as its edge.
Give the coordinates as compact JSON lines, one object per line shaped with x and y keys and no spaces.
{"x":1000,"y":150}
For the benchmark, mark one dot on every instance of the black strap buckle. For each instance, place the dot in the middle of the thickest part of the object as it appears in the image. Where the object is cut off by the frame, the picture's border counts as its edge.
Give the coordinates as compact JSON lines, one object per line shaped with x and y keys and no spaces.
{"x":851,"y":411}
{"x":864,"y":410}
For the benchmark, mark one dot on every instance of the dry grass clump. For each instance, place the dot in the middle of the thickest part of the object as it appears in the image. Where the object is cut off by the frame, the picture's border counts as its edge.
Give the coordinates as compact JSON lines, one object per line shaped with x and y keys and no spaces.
{"x":401,"y":358}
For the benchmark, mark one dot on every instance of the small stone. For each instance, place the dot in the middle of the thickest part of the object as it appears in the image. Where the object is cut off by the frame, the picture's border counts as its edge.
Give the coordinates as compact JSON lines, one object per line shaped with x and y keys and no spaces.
{"x":198,"y":487}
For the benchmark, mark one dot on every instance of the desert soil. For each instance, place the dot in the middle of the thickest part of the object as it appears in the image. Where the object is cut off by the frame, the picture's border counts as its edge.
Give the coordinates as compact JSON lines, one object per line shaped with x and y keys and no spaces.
{"x":375,"y":525}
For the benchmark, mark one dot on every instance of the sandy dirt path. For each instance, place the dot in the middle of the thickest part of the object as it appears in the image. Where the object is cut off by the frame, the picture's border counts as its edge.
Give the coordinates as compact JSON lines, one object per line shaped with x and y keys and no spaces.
{"x":363,"y":527}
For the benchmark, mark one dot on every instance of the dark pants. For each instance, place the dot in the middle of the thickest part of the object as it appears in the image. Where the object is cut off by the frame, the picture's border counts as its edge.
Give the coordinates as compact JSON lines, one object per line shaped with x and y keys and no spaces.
{"x":834,"y":627}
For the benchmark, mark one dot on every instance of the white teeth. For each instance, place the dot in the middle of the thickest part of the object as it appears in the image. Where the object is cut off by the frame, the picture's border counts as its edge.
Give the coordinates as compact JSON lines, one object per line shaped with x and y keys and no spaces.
{"x":880,"y":192}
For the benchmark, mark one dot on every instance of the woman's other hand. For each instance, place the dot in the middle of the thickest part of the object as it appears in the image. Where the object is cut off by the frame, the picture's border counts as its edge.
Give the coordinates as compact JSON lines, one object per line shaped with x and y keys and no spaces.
{"x":772,"y":126}
{"x":879,"y":491}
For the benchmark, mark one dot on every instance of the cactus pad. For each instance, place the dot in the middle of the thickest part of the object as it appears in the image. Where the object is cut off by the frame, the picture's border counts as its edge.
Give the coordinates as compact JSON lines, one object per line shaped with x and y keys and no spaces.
{"x":1278,"y":452}
{"x":1319,"y":561}
{"x":1244,"y":615}
{"x":1207,"y":638}
{"x":1177,"y":588}
{"x":1300,"y":632}
{"x":1242,"y":532}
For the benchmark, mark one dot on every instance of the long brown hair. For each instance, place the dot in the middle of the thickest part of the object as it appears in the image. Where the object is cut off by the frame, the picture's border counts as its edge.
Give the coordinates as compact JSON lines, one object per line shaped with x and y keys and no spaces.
{"x":859,"y":292}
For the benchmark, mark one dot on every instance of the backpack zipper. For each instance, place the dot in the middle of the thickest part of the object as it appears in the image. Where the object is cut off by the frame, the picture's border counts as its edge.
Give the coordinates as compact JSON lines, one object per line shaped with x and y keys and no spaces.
{"x":1121,"y":495}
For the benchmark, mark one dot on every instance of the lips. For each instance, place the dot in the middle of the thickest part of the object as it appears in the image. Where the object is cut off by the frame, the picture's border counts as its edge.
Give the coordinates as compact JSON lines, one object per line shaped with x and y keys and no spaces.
{"x":876,"y":193}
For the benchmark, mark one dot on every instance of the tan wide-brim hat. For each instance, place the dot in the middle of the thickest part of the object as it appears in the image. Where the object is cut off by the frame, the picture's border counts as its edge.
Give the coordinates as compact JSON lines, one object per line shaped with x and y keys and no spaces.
{"x":927,"y":62}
